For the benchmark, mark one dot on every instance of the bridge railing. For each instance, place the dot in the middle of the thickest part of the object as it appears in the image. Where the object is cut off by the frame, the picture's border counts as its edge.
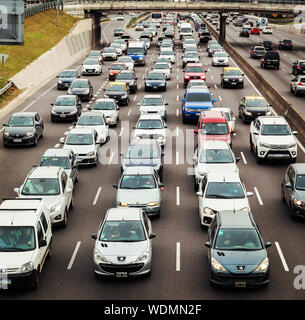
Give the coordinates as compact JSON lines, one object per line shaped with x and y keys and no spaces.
{"x":41,"y":7}
{"x":242,"y":1}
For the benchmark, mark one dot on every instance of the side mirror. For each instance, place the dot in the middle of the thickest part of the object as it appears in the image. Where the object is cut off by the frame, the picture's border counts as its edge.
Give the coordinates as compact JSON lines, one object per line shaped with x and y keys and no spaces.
{"x":4,"y":124}
{"x":42,"y":243}
{"x":294,"y":132}
{"x":199,"y":194}
{"x":104,"y":89}
{"x":94,"y":236}
{"x":62,"y":140}
{"x":249,"y":194}
{"x":152,"y":235}
{"x":268,"y":244}
{"x":115,"y":186}
{"x":68,"y":190}
{"x":208,"y":244}
{"x":161,"y":185}
{"x":255,"y":132}
{"x":182,"y":100}
{"x":233,"y":131}
{"x":162,"y":154}
{"x":17,"y":190}
{"x":288,"y":185}
{"x":214,"y":100}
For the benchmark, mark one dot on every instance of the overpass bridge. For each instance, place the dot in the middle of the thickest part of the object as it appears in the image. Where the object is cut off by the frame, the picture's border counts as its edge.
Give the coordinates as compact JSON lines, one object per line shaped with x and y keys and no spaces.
{"x":97,"y":8}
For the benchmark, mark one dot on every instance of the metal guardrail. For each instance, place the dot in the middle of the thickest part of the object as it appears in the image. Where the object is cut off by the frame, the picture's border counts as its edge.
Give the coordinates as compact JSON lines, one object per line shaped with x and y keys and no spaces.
{"x":6,"y":87}
{"x":41,"y":7}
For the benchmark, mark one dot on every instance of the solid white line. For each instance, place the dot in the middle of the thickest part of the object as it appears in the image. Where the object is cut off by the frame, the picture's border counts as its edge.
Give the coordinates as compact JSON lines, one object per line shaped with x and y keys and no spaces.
{"x":177,"y":98}
{"x":220,"y":98}
{"x":215,"y":86}
{"x":129,"y":111}
{"x":177,"y":77}
{"x":177,"y":85}
{"x":281,"y":256}
{"x":177,"y":131}
{"x":258,"y":196}
{"x":178,"y":256}
{"x":243,"y":157}
{"x":111,"y":158}
{"x":178,"y":196}
{"x":97,"y":195}
{"x":74,"y":255}
{"x":121,"y":132}
{"x":135,"y":98}
{"x":177,"y":158}
{"x":139,"y":86}
{"x":177,"y":112}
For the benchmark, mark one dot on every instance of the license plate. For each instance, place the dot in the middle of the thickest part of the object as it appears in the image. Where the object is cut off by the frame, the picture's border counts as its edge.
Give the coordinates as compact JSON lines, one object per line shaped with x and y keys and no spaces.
{"x":278,"y":155}
{"x":17,"y":140}
{"x":90,"y":70}
{"x":155,"y":87}
{"x":233,"y":82}
{"x":5,"y":281}
{"x":121,"y":274}
{"x":62,"y":115}
{"x":240,"y":284}
{"x":79,"y":159}
{"x":67,"y":85}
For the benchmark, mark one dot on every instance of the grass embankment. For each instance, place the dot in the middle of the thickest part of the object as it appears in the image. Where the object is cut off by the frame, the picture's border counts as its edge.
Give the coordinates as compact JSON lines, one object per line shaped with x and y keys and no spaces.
{"x":40,"y":35}
{"x":135,"y":21}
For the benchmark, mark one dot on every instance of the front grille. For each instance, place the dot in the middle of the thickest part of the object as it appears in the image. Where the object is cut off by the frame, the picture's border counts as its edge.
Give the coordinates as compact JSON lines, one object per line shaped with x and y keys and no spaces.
{"x":19,"y":135}
{"x":129,"y":268}
{"x":81,"y":155}
{"x":249,"y":278}
{"x":137,"y":206}
{"x":279,"y":146}
{"x":10,"y":270}
{"x":59,"y":112}
{"x":195,"y":77}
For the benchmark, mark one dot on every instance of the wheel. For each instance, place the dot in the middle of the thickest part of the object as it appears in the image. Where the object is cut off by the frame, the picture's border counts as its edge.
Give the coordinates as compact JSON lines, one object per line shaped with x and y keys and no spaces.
{"x":295,"y":92}
{"x":196,"y":185}
{"x":293,"y":160}
{"x":64,"y":223}
{"x":282,"y":194}
{"x":72,"y":203}
{"x":49,"y":255}
{"x":291,"y":213}
{"x":35,"y":141}
{"x":36,"y":280}
{"x":258,"y":159}
{"x":291,"y":90}
{"x":251,"y":144}
{"x":183,"y":120}
{"x":76,"y":178}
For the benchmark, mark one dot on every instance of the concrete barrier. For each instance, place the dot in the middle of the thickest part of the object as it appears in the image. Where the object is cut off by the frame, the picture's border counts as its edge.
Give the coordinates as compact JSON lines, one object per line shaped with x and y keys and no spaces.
{"x":279,"y":103}
{"x":73,"y":47}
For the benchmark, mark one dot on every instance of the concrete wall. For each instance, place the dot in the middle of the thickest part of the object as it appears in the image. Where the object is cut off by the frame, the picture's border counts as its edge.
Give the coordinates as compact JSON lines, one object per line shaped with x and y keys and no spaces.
{"x":298,"y":30}
{"x":70,"y":49}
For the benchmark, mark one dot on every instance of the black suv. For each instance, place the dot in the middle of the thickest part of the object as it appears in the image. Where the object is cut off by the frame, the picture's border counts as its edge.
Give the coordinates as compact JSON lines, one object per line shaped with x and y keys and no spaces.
{"x":271,"y":59}
{"x":298,"y":67}
{"x":285,"y":44}
{"x":237,"y":255}
{"x":66,"y":108}
{"x":23,"y":128}
{"x":268,"y":45}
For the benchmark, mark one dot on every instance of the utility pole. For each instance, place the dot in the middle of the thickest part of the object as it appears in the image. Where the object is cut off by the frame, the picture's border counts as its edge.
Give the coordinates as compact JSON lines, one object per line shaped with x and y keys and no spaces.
{"x":57,"y":5}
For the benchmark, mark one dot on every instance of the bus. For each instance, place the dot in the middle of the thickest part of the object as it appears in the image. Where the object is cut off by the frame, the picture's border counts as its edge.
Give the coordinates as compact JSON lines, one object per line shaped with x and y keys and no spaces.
{"x":156,"y":17}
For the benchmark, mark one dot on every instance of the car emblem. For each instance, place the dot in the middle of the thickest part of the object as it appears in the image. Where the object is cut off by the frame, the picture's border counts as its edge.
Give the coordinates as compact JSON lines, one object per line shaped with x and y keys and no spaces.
{"x":121,"y":259}
{"x":241,"y":268}
{"x":17,"y":135}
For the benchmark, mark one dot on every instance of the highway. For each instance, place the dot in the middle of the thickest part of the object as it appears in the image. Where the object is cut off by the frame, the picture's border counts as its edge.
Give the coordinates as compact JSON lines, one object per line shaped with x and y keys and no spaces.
{"x":176,"y":274}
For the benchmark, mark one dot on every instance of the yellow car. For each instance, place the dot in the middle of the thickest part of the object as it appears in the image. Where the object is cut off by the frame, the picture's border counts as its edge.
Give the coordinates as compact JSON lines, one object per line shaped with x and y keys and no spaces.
{"x":254,"y":106}
{"x":118,"y":91}
{"x":232,"y":77}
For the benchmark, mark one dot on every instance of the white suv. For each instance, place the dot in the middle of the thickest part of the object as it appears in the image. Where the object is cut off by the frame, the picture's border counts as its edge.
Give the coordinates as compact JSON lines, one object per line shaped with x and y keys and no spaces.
{"x":53,"y":185}
{"x":272,"y":138}
{"x":153,"y":104}
{"x":25,"y":241}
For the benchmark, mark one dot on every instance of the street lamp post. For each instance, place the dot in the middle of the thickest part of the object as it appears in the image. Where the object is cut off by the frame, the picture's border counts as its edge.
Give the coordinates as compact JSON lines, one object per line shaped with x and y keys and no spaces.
{"x":57,"y":7}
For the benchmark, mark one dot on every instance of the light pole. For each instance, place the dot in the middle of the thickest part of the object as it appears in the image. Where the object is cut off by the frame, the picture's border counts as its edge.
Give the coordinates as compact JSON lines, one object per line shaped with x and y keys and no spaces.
{"x":57,"y":6}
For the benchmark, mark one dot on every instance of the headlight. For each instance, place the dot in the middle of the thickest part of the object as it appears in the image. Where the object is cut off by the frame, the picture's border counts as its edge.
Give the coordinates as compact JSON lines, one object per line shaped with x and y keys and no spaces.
{"x":188,"y":109}
{"x":225,"y":79}
{"x":293,"y":145}
{"x":269,"y":113}
{"x":90,"y":153}
{"x":187,"y":77}
{"x":153,"y":204}
{"x":123,"y":204}
{"x":27,"y":267}
{"x":7,"y":134}
{"x":298,"y":203}
{"x":263,"y":266}
{"x":160,"y":139}
{"x":216,"y":265}
{"x":247,"y":113}
{"x":59,"y":81}
{"x":265,"y":145}
{"x":144,"y":256}
{"x":99,"y":257}
{"x":29,"y":134}
{"x":209,"y":211}
{"x":124,"y":96}
{"x":55,"y":207}
{"x":240,"y":79}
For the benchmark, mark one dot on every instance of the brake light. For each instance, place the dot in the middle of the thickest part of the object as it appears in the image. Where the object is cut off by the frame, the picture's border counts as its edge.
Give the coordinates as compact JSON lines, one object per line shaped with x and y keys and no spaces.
{"x":265,"y":61}
{"x":254,"y":51}
{"x":298,"y":67}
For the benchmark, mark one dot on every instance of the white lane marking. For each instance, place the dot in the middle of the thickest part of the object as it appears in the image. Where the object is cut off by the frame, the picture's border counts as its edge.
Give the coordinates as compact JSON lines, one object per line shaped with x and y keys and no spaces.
{"x":209,"y":70}
{"x":177,"y":131}
{"x":177,"y":98}
{"x":177,"y":85}
{"x":135,"y":98}
{"x":177,"y":112}
{"x":74,"y":255}
{"x":95,"y":95}
{"x":283,"y":69}
{"x":139,"y":86}
{"x":97,"y":195}
{"x":129,"y":111}
{"x":111,"y":158}
{"x":177,"y":158}
{"x":177,"y":77}
{"x":178,"y":196}
{"x":121,"y":132}
{"x":258,"y":196}
{"x":57,"y":145}
{"x":243,"y":157}
{"x":220,"y":98}
{"x":67,"y":132}
{"x":105,"y":34}
{"x":212,"y":77}
{"x":281,"y":256}
{"x":215,"y":86}
{"x":178,"y":256}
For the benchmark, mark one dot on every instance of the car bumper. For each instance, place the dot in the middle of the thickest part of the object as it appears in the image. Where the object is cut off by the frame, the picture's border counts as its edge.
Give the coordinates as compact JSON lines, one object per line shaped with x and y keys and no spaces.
{"x":264,"y":153}
{"x":14,"y":141}
{"x":191,"y":115}
{"x":63,"y":117}
{"x":300,"y":89}
{"x":125,"y":271}
{"x":109,"y":58}
{"x":155,"y":87}
{"x":18,"y":280}
{"x":86,"y":161}
{"x":222,"y":63}
{"x":90,"y":72}
{"x":63,"y":85}
{"x":233,"y":84}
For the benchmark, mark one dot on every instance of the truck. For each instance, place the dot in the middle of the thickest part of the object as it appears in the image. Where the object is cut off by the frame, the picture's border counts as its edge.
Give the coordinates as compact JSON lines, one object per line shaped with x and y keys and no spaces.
{"x":136,"y":50}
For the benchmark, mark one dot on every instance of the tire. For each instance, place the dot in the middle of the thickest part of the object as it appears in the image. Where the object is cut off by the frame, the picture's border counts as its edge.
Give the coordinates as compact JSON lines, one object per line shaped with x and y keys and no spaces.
{"x":291,"y":90}
{"x":64,"y":223}
{"x":293,"y":160}
{"x":72,"y":203}
{"x":295,"y":92}
{"x":290,"y":213}
{"x":282,"y":195}
{"x":49,"y":255}
{"x":258,"y":159}
{"x":196,"y":186}
{"x":36,"y":280}
{"x":35,"y":142}
{"x":184,"y":120}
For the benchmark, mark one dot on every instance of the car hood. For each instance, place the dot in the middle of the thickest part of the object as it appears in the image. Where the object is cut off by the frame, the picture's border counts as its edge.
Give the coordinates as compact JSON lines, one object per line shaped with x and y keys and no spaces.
{"x":78,"y":90}
{"x":138,"y":196}
{"x":203,"y":168}
{"x":152,"y":108}
{"x":63,"y":108}
{"x":279,"y":140}
{"x":99,"y":129}
{"x":191,"y":104}
{"x":115,"y":72}
{"x":155,"y":81}
{"x":194,"y":74}
{"x":48,"y":200}
{"x":12,"y":260}
{"x":257,"y":109}
{"x":130,"y":250}
{"x":107,"y":113}
{"x":222,"y":137}
{"x":155,"y":162}
{"x":91,"y":66}
{"x":226,"y":204}
{"x":115,"y":93}
{"x":20,"y":130}
{"x":66,"y":79}
{"x":78,"y":149}
{"x":231,"y":259}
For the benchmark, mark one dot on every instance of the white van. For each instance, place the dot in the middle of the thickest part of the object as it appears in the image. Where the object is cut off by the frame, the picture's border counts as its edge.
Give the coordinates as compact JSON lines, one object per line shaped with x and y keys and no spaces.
{"x":25,"y":241}
{"x":185,"y":30}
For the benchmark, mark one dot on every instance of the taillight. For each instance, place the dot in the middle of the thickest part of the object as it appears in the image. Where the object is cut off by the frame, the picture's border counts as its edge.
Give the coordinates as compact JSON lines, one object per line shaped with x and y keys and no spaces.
{"x":300,"y":84}
{"x":298,"y":67}
{"x":254,"y":51}
{"x":265,"y":61}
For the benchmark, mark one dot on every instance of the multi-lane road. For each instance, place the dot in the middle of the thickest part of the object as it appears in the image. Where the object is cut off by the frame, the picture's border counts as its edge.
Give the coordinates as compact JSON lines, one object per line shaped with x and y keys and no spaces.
{"x":179,"y":266}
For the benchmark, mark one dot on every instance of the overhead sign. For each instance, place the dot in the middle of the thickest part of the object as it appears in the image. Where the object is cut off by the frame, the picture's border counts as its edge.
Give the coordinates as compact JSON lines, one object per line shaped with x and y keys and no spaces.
{"x":274,"y":15}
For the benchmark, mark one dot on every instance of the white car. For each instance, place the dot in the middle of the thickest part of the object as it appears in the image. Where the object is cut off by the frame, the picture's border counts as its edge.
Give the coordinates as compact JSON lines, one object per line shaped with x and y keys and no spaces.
{"x":85,"y":145}
{"x":189,"y":42}
{"x":220,"y":191}
{"x":110,"y":53}
{"x":198,"y":83}
{"x":153,"y":104}
{"x":139,"y":27}
{"x":55,"y":187}
{"x":91,"y":66}
{"x":272,"y":138}
{"x":229,"y":115}
{"x":96,"y":121}
{"x":128,"y":61}
{"x":120,"y":17}
{"x":168,"y":54}
{"x":25,"y":241}
{"x":267,"y":29}
{"x":163,"y":67}
{"x":109,"y":108}
{"x":151,"y":126}
{"x":117,"y":47}
{"x":220,"y":59}
{"x":122,"y":43}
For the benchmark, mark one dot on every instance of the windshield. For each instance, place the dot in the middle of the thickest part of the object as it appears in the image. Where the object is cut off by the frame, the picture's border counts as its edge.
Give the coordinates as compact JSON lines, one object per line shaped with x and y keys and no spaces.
{"x":190,"y":55}
{"x":124,"y":76}
{"x":109,"y":50}
{"x":117,"y":67}
{"x":198,"y":97}
{"x":116,"y":87}
{"x":40,"y":186}
{"x":214,"y":128}
{"x":87,"y":120}
{"x":186,"y":30}
{"x":104,"y":105}
{"x":91,"y":62}
{"x":155,"y":76}
{"x":122,"y":231}
{"x":149,"y":124}
{"x":257,"y":103}
{"x":215,"y":156}
{"x":145,"y":181}
{"x":302,"y":64}
{"x":224,"y":190}
{"x":79,"y":84}
{"x":197,"y":84}
{"x":17,"y":239}
{"x":21,"y":122}
{"x":94,"y":54}
{"x":55,"y":162}
{"x":125,"y":59}
{"x":220,"y":54}
{"x":161,"y":66}
{"x":166,"y":53}
{"x":238,"y":239}
{"x":300,"y":182}
{"x":65,"y":101}
{"x":152,"y":102}
{"x":68,"y":74}
{"x":79,"y":139}
{"x":194,"y":69}
{"x":233,"y":73}
{"x":275,"y":130}
{"x":142,"y":152}
{"x":259,"y":49}
{"x":139,"y":51}
{"x":191,"y":48}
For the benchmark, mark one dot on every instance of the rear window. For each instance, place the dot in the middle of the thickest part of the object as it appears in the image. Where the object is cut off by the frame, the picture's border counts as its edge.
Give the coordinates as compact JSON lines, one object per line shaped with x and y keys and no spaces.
{"x":272,"y":55}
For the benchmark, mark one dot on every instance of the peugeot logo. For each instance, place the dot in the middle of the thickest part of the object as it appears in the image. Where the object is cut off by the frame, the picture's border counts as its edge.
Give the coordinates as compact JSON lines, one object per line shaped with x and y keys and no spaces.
{"x":121,"y":259}
{"x":241,"y":268}
{"x":17,"y":135}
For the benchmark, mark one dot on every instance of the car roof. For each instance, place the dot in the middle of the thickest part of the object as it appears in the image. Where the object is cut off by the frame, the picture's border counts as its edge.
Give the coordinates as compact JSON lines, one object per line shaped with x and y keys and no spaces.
{"x":143,"y":142}
{"x":151,"y":96}
{"x":45,"y":172}
{"x":213,"y":115}
{"x":194,"y":65}
{"x":139,"y":170}
{"x":198,"y":90}
{"x":230,"y":68}
{"x":272,"y":120}
{"x":223,"y":176}
{"x":67,"y":96}
{"x":214,"y":144}
{"x":81,"y":131}
{"x":56,"y":152}
{"x":222,"y":109}
{"x":115,"y":214}
{"x":11,"y":218}
{"x":255,"y":97}
{"x":150,"y":116}
{"x":235,"y":219}
{"x":24,"y":114}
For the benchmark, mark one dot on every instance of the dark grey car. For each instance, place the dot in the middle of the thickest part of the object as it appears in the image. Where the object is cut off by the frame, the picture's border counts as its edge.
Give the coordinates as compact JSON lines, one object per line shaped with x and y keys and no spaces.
{"x":257,"y":52}
{"x":66,"y":108}
{"x":130,"y":78}
{"x":65,"y":78}
{"x":82,"y":88}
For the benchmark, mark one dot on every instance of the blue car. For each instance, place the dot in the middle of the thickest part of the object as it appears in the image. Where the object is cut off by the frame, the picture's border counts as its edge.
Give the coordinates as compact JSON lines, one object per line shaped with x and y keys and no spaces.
{"x":194,"y":101}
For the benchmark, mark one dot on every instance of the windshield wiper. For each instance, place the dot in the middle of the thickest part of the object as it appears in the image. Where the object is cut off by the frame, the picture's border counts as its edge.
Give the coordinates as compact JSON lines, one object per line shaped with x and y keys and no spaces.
{"x":216,"y":196}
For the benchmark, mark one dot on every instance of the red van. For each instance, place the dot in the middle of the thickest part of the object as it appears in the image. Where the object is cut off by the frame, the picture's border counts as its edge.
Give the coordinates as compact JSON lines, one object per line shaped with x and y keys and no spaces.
{"x":213,"y":125}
